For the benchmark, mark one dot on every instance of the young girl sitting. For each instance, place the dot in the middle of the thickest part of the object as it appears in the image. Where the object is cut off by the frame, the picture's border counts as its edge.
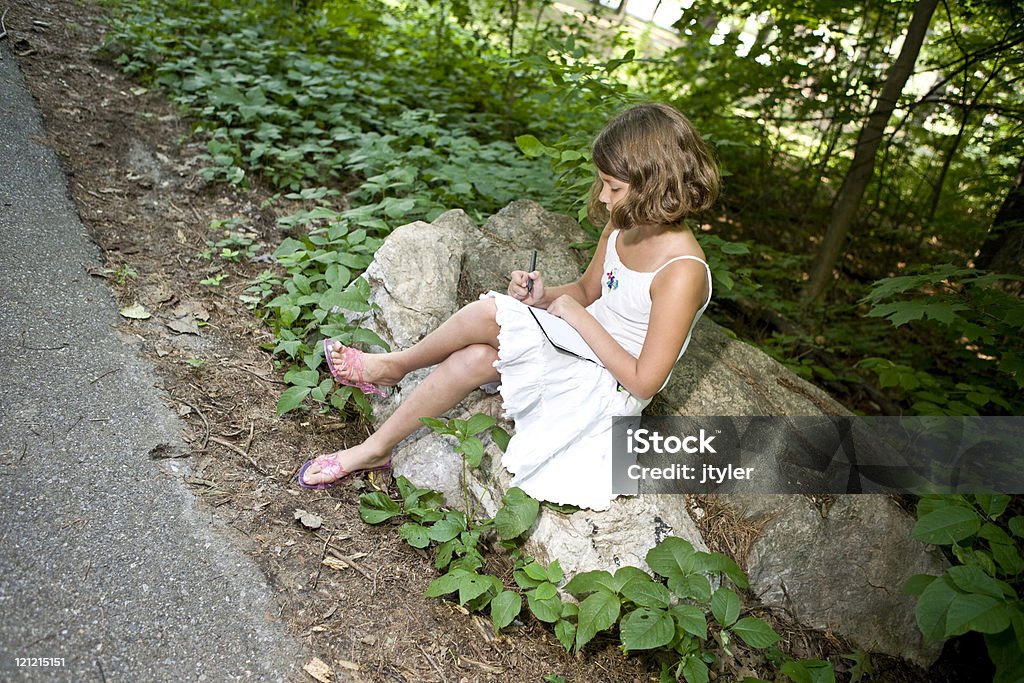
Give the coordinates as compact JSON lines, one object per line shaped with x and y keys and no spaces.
{"x":636,"y":306}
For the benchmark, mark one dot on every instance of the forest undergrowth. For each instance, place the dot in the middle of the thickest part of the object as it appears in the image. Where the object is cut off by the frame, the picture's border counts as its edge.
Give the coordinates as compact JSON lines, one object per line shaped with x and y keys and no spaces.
{"x":359,"y":117}
{"x":367,"y":116}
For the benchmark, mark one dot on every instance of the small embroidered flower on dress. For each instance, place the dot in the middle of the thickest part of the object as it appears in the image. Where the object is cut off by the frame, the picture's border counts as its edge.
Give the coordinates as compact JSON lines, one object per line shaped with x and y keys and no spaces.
{"x":612,"y":282}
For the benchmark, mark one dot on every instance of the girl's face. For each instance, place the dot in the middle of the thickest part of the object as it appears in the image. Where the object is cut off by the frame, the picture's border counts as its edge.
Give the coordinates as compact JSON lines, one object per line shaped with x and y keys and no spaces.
{"x":613,"y":190}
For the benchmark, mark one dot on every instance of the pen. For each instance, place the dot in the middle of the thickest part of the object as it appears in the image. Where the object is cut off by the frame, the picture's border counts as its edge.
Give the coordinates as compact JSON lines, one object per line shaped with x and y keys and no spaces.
{"x":533,"y":267}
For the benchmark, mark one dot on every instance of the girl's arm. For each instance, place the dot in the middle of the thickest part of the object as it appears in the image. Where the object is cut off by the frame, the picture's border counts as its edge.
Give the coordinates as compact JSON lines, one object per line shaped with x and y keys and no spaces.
{"x":585,"y":290}
{"x":677,"y":293}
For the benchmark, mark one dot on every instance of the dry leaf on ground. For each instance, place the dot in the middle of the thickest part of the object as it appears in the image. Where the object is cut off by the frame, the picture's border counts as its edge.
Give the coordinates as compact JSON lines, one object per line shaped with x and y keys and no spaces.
{"x":318,"y":670}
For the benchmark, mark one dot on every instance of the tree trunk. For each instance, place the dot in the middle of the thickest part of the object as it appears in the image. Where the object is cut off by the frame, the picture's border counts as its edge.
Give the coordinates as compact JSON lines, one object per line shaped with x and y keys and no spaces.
{"x":1003,"y":249}
{"x":857,"y":177}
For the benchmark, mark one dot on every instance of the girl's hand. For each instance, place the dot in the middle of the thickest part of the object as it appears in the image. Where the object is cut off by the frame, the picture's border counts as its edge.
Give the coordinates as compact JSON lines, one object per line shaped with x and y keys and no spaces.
{"x":517,"y":287}
{"x":565,"y":307}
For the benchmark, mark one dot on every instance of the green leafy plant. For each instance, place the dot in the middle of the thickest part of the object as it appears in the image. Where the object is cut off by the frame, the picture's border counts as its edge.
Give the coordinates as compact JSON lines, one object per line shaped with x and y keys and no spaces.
{"x":981,"y":593}
{"x":684,"y":607}
{"x":968,"y":306}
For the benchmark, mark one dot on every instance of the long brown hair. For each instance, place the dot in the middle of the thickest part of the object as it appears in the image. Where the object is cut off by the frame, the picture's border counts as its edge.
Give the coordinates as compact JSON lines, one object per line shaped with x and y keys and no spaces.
{"x":669,"y":169}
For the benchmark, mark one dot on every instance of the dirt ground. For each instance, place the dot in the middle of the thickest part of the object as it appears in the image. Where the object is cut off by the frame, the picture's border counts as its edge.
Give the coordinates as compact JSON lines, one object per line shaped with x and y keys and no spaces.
{"x":134,"y":175}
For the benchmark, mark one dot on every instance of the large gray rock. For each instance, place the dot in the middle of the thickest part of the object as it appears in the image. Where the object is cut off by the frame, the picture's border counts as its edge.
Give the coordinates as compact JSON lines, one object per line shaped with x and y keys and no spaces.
{"x":840,"y":572}
{"x":839,"y":567}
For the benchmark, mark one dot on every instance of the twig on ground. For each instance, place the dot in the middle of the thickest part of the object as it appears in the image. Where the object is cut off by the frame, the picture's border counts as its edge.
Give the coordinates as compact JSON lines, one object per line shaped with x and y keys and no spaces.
{"x":256,"y":374}
{"x":241,"y":452}
{"x":320,"y":564}
{"x":206,"y":423}
{"x":344,"y":558}
{"x":24,"y":345}
{"x":433,"y":663}
{"x":3,"y":27}
{"x":350,"y":562}
{"x":248,"y":442}
{"x":99,"y":377}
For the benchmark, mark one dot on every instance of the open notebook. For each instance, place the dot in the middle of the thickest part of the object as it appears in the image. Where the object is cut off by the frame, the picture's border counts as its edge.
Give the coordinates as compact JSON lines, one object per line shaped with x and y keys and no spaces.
{"x":563,"y":336}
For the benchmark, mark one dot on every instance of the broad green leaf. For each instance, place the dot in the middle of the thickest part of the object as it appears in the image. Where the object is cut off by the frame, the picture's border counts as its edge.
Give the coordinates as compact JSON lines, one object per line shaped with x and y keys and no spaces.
{"x":672,"y":558}
{"x":376,"y":507}
{"x":565,"y":631}
{"x":598,"y":612}
{"x":974,"y":612}
{"x":535,"y":570}
{"x":501,"y":437}
{"x":478,"y":423}
{"x":725,"y":605}
{"x":545,"y":604}
{"x":448,"y":583}
{"x":302,"y":378}
{"x":755,"y":632}
{"x":415,"y":535}
{"x":291,"y":399}
{"x":993,"y":504}
{"x":472,"y":586}
{"x":974,"y":580}
{"x":646,"y":629}
{"x":346,"y":300}
{"x":646,"y":593}
{"x":718,"y":562}
{"x":445,"y":530}
{"x":1016,"y":525}
{"x":972,"y":557}
{"x":588,"y":582}
{"x":947,"y":525}
{"x":505,"y":607}
{"x":517,"y":515}
{"x":916,"y":584}
{"x":691,"y":619}
{"x":627,"y":574}
{"x":398,"y":208}
{"x":1005,"y":652}
{"x":473,"y":449}
{"x":1004,"y":549}
{"x":444,"y":553}
{"x":694,"y":586}
{"x":809,"y":671}
{"x":439,"y":426}
{"x":695,"y":670}
{"x":532,"y":147}
{"x":932,"y":607}
{"x":524,"y":581}
{"x":546,"y":590}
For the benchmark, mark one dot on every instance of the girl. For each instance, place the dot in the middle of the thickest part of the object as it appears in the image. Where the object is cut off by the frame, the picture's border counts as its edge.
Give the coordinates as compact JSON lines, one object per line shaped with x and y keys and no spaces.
{"x":635,"y":305}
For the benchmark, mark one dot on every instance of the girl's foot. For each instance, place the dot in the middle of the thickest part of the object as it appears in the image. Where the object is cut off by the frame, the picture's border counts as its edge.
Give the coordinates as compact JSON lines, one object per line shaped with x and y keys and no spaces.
{"x":366,"y":371}
{"x":329,"y":470}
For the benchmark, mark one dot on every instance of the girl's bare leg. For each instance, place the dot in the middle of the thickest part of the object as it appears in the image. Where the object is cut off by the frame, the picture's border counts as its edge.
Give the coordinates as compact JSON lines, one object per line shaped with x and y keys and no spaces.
{"x":465,"y":345}
{"x":458,"y":374}
{"x":471,"y":324}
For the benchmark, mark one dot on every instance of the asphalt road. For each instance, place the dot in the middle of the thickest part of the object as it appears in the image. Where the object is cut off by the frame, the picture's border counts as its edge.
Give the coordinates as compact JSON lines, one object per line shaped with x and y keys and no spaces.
{"x":108,"y":571}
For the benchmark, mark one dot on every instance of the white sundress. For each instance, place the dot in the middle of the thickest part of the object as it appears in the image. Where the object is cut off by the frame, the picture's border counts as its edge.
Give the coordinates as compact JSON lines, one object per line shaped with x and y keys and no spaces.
{"x":563,"y":406}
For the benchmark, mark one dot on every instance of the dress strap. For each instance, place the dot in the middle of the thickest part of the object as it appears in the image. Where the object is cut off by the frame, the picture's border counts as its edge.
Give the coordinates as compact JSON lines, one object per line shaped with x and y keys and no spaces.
{"x":680,"y":258}
{"x":707,"y":269}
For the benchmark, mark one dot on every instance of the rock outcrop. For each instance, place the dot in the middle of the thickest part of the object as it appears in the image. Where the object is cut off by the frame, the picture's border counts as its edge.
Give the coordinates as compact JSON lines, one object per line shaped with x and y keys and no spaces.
{"x":839,"y":569}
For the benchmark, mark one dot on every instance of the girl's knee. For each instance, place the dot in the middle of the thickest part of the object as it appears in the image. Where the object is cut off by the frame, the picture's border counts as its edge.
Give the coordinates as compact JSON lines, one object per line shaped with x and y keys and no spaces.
{"x":478,"y":355}
{"x":477,"y":360}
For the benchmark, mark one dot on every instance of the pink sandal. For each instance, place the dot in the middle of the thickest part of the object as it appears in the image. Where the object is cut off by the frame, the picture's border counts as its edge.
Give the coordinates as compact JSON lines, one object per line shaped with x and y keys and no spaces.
{"x":332,"y":468}
{"x":353,"y":359}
